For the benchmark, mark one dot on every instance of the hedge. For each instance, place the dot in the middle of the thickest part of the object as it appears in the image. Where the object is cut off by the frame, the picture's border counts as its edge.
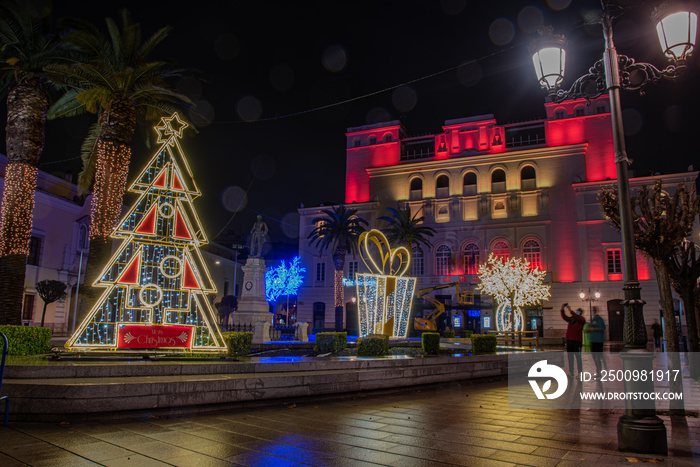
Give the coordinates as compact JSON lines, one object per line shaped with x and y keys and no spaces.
{"x":449,"y":334}
{"x":239,"y":344}
{"x":27,"y":340}
{"x":330,"y":342}
{"x":430,"y":342}
{"x":483,"y":343}
{"x":466,"y":333}
{"x":374,"y":345}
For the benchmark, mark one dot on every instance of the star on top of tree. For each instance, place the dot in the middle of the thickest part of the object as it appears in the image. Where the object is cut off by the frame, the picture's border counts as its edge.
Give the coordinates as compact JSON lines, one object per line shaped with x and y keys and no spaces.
{"x":169,"y":127}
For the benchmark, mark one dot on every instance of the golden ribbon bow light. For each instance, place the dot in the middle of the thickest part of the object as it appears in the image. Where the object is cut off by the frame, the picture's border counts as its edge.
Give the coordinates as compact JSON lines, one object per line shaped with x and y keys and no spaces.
{"x":384,"y":295}
{"x":380,"y":258}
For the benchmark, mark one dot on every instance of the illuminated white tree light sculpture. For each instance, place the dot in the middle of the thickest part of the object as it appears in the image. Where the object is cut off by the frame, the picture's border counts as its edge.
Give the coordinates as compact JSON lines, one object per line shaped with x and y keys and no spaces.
{"x":514,"y":284}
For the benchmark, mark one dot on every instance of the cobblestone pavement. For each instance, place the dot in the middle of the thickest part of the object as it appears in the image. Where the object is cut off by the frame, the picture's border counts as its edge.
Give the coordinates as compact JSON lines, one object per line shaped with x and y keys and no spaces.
{"x":464,"y":423}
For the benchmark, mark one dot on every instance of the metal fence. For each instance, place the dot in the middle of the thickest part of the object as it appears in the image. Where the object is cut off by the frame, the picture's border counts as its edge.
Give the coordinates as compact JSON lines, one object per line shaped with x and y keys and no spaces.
{"x":236,"y":327}
{"x":282,"y":333}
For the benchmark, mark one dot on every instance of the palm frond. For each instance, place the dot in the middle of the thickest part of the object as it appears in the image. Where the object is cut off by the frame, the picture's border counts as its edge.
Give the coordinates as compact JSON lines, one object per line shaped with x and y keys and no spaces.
{"x":88,"y":153}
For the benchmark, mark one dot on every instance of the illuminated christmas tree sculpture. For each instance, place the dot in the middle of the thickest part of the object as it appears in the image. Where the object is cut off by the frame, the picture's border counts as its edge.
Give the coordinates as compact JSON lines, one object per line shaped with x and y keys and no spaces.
{"x":156,"y":283}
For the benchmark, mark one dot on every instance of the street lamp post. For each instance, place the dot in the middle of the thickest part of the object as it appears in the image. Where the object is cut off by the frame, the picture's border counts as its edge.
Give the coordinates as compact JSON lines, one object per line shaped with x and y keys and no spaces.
{"x":590,"y":299}
{"x":639,"y":430}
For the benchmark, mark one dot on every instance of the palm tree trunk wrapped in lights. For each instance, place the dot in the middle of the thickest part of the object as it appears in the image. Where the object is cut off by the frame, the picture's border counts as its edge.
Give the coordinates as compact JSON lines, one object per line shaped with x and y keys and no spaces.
{"x":340,"y":231}
{"x":26,"y":49}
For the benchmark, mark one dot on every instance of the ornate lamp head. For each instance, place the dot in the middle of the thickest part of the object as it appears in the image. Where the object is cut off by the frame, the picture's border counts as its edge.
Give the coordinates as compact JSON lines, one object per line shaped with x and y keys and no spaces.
{"x":676,"y":25}
{"x":549,"y":57}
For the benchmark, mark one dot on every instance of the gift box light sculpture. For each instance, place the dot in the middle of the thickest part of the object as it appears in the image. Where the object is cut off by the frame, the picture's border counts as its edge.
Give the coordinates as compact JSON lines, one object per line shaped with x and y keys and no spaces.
{"x":156,"y":283}
{"x":384,"y":296}
{"x":514,"y":284}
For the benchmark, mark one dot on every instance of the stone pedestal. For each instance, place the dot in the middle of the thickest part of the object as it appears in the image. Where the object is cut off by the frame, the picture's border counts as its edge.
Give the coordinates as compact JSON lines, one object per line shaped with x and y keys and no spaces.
{"x":253,"y":306}
{"x":301,"y":332}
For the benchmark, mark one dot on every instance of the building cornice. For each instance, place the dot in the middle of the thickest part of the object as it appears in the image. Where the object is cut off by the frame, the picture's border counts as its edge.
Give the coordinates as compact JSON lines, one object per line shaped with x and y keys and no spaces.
{"x":491,"y":158}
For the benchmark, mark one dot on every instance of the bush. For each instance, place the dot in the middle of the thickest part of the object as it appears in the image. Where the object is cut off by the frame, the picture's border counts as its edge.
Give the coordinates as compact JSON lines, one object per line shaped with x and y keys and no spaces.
{"x":466,"y":333}
{"x":239,"y":344}
{"x":330,"y":342}
{"x":449,"y":334}
{"x":374,"y":345}
{"x":27,"y":340}
{"x":430,"y":341}
{"x":483,"y":343}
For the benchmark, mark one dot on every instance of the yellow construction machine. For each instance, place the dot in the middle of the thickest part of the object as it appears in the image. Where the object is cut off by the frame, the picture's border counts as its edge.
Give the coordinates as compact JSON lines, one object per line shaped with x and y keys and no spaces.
{"x":429,"y":323}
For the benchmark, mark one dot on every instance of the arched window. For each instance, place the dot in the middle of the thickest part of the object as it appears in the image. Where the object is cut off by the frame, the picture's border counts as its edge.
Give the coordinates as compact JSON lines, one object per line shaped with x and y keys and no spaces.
{"x":83,"y":237}
{"x":442,"y":187}
{"x":469,"y":184}
{"x":532,"y":252}
{"x":498,"y":181}
{"x":372,"y":140}
{"x":417,"y":262}
{"x":559,"y":114}
{"x":388,"y":138}
{"x":528,"y":178}
{"x":416,"y":189}
{"x":443,"y":258}
{"x":501,"y":249}
{"x":579,"y":111}
{"x":471,"y":258}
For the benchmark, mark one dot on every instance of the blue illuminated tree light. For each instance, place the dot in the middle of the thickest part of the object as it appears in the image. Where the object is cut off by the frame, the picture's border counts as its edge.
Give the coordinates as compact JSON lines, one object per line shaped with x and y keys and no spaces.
{"x":284,"y":280}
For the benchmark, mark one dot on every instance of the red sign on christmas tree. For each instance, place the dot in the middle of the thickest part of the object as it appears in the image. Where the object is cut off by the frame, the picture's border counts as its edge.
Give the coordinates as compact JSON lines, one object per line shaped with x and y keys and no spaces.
{"x":156,"y":283}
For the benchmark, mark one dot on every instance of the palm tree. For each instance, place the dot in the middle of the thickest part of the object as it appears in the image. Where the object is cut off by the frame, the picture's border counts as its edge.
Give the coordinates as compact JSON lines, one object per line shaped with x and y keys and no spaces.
{"x":124,"y":89}
{"x":340,"y":231}
{"x":25,"y":48}
{"x":407,"y":230}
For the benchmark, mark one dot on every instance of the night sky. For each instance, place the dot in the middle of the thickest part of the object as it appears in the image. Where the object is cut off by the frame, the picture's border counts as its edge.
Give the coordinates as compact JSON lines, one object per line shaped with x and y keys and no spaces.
{"x":266,"y":61}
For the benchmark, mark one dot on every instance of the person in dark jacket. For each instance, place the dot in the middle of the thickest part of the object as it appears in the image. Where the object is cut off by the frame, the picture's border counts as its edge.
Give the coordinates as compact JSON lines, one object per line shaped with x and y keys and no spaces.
{"x":574,"y":336}
{"x":658,"y":333}
{"x":596,"y":336}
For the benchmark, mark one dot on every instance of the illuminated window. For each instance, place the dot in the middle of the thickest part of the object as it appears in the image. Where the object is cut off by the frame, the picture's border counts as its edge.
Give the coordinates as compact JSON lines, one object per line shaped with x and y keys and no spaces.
{"x":352,"y":270}
{"x":417,"y":262}
{"x":528,"y":178}
{"x":615,"y":261}
{"x":28,"y":307}
{"x":471,"y":258}
{"x":388,"y":138}
{"x":533,"y":253}
{"x":416,"y":188}
{"x":443,"y":257}
{"x":498,"y":181}
{"x":442,"y":187}
{"x":34,"y":250}
{"x":501,"y":250}
{"x":579,"y":111}
{"x":320,"y":272}
{"x":469,"y":184}
{"x":372,"y":140}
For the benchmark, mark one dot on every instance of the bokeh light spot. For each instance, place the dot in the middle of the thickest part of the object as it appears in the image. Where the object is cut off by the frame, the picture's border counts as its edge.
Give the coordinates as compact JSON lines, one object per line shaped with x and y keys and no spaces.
{"x":453,"y":7}
{"x":202,"y":114}
{"x":673,"y":118}
{"x":281,"y":77}
{"x":470,"y":74}
{"x":530,"y":19}
{"x":377,"y":115}
{"x":404,"y":98}
{"x":633,"y":121}
{"x":290,"y":224}
{"x":262,"y":166}
{"x":227,"y":46}
{"x":233,"y":198}
{"x":334,"y":58}
{"x":501,"y":31}
{"x":249,"y":108}
{"x":558,"y":4}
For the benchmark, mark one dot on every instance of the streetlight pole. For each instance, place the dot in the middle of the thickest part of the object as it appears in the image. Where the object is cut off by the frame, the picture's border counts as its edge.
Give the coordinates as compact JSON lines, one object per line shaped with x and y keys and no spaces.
{"x":639,"y":430}
{"x":590,"y":299}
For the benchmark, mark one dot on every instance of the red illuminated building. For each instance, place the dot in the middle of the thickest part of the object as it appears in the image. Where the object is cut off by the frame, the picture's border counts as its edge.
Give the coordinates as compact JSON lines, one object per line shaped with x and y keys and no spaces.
{"x":525,"y":189}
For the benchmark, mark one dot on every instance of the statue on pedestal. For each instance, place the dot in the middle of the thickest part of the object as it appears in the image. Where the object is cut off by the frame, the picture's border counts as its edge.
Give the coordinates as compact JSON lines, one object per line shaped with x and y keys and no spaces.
{"x":258,"y":236}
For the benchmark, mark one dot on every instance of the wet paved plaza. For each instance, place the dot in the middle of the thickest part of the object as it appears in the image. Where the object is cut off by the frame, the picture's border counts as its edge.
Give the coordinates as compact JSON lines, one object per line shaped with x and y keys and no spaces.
{"x":466,"y":423}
